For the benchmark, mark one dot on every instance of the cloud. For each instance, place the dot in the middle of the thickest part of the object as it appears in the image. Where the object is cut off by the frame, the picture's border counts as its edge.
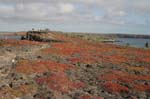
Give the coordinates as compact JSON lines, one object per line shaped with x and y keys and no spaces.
{"x":142,"y":8}
{"x":66,"y":8}
{"x":6,"y":11}
{"x":114,"y":12}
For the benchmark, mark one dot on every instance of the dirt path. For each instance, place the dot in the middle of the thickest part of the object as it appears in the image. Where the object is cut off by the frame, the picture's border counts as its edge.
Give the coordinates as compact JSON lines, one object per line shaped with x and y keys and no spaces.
{"x":9,"y":56}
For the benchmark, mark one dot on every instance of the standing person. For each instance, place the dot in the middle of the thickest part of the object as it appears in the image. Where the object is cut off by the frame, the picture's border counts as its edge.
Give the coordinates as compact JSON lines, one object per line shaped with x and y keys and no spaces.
{"x":146,"y":45}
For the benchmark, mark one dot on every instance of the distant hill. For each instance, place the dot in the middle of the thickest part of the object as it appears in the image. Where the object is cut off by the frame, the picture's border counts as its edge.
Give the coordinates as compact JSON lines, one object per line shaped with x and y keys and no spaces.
{"x":129,"y":36}
{"x":103,"y":35}
{"x":115,"y":35}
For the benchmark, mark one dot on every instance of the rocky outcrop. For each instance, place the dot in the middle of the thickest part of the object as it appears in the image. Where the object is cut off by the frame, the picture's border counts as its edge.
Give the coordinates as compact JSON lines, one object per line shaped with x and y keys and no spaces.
{"x":41,"y":36}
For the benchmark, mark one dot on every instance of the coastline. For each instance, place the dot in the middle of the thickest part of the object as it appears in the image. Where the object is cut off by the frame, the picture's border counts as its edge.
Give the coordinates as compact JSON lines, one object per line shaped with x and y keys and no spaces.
{"x":66,"y":68}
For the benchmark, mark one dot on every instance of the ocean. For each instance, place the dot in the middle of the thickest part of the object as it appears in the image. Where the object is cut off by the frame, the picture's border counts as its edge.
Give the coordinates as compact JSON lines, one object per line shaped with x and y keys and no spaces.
{"x":10,"y":37}
{"x":133,"y":42}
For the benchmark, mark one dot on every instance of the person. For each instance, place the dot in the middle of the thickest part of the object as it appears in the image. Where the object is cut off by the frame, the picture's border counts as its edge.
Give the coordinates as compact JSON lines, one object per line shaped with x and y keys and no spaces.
{"x":128,"y":44}
{"x":146,"y":45}
{"x":23,"y":38}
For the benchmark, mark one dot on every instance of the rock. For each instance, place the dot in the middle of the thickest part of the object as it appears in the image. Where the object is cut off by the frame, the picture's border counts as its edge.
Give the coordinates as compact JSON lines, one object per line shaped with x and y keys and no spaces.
{"x":41,"y":36}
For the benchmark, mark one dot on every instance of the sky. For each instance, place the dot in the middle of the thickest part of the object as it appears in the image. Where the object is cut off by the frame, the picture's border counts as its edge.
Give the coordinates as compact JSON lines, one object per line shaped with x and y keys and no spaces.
{"x":95,"y":16}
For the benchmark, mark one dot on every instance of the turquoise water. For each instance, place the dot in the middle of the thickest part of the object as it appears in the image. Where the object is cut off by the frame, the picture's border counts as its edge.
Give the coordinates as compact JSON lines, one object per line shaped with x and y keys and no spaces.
{"x":134,"y":42}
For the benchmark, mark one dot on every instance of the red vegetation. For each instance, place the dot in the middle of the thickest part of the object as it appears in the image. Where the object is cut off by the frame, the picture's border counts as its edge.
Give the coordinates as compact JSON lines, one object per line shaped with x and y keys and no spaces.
{"x":78,"y":85}
{"x":115,"y":87}
{"x":123,"y":77}
{"x":105,"y":53}
{"x":94,"y":53}
{"x":126,"y":78}
{"x":141,"y":87}
{"x":28,"y":67}
{"x":146,"y":59}
{"x":59,"y":82}
{"x":117,"y":59}
{"x":12,"y":42}
{"x":64,"y":49}
{"x":120,"y":64}
{"x":86,"y":60}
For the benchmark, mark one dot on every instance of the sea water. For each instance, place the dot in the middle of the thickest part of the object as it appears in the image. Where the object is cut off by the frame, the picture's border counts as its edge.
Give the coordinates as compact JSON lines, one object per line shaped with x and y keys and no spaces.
{"x":10,"y":37}
{"x":133,"y":42}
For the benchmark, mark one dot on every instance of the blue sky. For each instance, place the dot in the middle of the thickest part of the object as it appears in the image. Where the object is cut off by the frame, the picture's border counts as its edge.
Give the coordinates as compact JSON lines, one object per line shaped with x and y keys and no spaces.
{"x":96,"y":16}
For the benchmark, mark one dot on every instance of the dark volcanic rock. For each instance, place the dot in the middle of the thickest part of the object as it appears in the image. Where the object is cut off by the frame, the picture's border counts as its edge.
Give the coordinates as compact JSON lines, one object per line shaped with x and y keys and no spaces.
{"x":41,"y":36}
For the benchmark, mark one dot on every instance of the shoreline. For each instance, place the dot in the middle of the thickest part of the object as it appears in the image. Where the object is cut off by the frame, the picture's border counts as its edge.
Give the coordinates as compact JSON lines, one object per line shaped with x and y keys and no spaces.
{"x":45,"y":69}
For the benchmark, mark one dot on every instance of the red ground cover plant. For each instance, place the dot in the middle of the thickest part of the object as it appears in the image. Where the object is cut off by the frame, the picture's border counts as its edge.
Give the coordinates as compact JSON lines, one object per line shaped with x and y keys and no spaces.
{"x":65,"y":49}
{"x":117,"y":59}
{"x":85,"y":60}
{"x":60,"y":49}
{"x":140,"y":55}
{"x":145,"y":59}
{"x":115,"y":87}
{"x":12,"y":42}
{"x":57,"y":82}
{"x":141,"y":87}
{"x":29,"y":67}
{"x":60,"y":82}
{"x":107,"y":52}
{"x":123,"y":77}
{"x":61,"y":52}
{"x":92,"y":58}
{"x":111,"y":53}
{"x":78,"y":84}
{"x":113,"y":79}
{"x":88,"y":55}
